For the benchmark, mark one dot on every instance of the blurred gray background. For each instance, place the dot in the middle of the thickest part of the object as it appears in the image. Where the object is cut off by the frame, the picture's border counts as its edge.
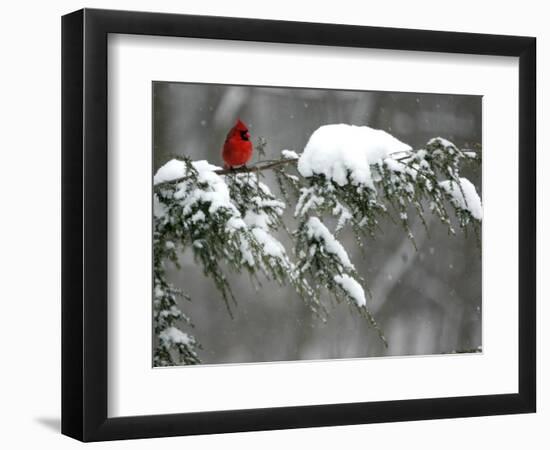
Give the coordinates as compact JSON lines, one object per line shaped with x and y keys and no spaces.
{"x":426,"y":301}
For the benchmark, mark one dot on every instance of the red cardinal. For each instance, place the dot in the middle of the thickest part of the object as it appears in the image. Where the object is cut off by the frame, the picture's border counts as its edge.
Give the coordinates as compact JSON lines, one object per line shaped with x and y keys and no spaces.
{"x":237,"y":149}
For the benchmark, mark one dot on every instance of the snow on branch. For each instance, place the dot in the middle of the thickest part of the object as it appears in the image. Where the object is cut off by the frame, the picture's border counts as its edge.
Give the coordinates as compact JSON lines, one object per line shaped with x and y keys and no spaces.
{"x":174,"y":175}
{"x":344,"y":153}
{"x":230,"y":219}
{"x":464,"y":196}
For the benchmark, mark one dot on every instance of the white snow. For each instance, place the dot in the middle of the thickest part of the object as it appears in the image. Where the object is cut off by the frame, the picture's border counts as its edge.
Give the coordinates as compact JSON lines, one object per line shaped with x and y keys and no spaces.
{"x":415,"y":162}
{"x":344,"y":216}
{"x":316,"y":229}
{"x":251,"y":180}
{"x":175,"y":169}
{"x":313,"y":201}
{"x":289,"y":154}
{"x":470,"y":201}
{"x":260,"y":202}
{"x":198,"y":217}
{"x":235,"y":223}
{"x":247,"y":254}
{"x":444,"y":142}
{"x":213,"y":189}
{"x":259,"y":223}
{"x":260,"y":220}
{"x":394,"y":165}
{"x":352,"y":287}
{"x":270,"y":245}
{"x":159,"y":209}
{"x":172,"y":170}
{"x":172,"y":312}
{"x":158,"y":292}
{"x":420,"y":154}
{"x":340,"y":149}
{"x":172,"y":335}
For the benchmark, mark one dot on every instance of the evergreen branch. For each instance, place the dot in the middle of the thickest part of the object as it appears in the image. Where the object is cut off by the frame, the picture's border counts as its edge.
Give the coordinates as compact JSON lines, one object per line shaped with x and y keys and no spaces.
{"x":262,"y":165}
{"x":259,"y":167}
{"x":234,"y":220}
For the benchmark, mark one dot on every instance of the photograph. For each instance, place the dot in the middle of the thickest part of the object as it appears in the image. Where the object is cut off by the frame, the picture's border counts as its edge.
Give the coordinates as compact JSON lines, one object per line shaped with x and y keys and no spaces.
{"x":304,"y":224}
{"x":275,"y":225}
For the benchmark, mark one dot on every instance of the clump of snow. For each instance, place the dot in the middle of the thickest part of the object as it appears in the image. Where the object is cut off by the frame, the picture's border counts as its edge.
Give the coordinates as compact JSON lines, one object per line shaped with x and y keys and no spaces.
{"x":316,"y":230}
{"x":172,"y":312}
{"x":275,"y":204}
{"x":444,"y":142}
{"x":344,"y":215}
{"x":235,"y":223}
{"x":420,"y":154}
{"x":172,"y":335}
{"x":211,"y":187}
{"x":158,"y":292}
{"x":251,"y":180}
{"x":204,"y":166}
{"x":175,"y":169}
{"x":259,"y":223}
{"x":394,"y":165}
{"x":308,"y":200}
{"x":271,"y":246}
{"x":247,"y":253}
{"x":172,"y":170}
{"x":212,"y":190}
{"x":339,"y":150}
{"x":159,"y":209}
{"x":352,"y":287}
{"x":257,"y":219}
{"x":289,"y":154}
{"x":465,"y":198}
{"x":198,"y":217}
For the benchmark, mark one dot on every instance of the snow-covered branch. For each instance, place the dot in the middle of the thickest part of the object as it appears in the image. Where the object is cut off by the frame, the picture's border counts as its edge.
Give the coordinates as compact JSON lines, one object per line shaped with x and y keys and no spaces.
{"x":230,"y":218}
{"x":261,"y":166}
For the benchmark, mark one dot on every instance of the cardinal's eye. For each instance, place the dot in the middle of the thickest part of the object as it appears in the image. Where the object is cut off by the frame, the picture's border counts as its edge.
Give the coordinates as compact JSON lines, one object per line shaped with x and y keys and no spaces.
{"x":244,"y":135}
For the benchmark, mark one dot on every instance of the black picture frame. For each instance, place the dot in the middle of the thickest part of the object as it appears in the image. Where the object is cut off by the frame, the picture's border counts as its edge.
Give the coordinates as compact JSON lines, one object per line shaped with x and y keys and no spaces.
{"x":84,"y":224}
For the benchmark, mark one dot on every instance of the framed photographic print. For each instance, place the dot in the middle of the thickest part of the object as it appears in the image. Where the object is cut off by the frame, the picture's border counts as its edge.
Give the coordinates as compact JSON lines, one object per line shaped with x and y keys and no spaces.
{"x":337,"y":221}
